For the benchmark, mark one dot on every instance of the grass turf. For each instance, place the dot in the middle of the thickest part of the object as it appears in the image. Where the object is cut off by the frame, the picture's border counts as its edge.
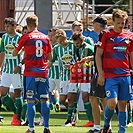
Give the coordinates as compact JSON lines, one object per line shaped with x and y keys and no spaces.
{"x":56,"y":122}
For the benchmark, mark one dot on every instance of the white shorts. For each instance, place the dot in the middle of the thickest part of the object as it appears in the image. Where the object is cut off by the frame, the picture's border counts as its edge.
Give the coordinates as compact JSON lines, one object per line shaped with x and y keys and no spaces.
{"x":84,"y":87}
{"x":11,"y":79}
{"x":54,"y":84}
{"x":67,"y":87}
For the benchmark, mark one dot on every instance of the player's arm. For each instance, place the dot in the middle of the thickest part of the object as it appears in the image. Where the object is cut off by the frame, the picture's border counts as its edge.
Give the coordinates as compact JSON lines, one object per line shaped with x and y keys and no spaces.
{"x":19,"y":46}
{"x":49,"y":56}
{"x":131,"y":59}
{"x":98,"y":58}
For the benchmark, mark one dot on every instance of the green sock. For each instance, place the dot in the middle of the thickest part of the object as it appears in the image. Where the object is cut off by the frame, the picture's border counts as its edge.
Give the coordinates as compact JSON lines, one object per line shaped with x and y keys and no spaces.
{"x":88,"y":110}
{"x":51,"y":106}
{"x":70,"y":111}
{"x":9,"y":102}
{"x":19,"y":105}
{"x":130,"y":116}
{"x":57,"y":100}
{"x":24,"y":110}
{"x":38,"y":107}
{"x":75,"y":106}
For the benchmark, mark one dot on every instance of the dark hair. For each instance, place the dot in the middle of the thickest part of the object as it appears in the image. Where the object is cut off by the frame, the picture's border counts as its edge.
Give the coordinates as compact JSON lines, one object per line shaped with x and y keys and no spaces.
{"x":25,"y":27}
{"x":53,"y":29}
{"x":77,"y":36}
{"x":10,"y":21}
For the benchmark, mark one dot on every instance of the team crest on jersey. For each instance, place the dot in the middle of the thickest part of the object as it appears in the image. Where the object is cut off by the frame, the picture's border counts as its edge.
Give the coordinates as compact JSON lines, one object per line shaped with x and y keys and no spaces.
{"x":66,"y":58}
{"x":108,"y":93}
{"x":9,"y":48}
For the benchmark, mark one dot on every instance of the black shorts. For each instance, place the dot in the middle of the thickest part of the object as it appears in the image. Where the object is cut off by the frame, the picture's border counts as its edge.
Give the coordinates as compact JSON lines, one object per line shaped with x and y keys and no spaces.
{"x":97,"y":90}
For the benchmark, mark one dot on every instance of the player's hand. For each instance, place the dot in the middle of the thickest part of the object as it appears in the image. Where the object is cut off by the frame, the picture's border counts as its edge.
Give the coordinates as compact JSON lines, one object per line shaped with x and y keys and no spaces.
{"x":67,"y":66}
{"x":17,"y":69}
{"x":85,"y":59}
{"x":101,"y":79}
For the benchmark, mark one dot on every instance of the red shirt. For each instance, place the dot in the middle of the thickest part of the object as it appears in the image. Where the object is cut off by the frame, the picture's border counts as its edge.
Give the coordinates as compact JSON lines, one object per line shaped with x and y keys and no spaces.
{"x":117,"y":47}
{"x":36,"y":46}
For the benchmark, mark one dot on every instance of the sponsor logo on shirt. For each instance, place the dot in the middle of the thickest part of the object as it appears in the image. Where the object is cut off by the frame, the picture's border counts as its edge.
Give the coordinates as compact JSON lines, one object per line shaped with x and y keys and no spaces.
{"x":112,"y":39}
{"x":120,"y":48}
{"x":9,"y":48}
{"x":66,"y":58}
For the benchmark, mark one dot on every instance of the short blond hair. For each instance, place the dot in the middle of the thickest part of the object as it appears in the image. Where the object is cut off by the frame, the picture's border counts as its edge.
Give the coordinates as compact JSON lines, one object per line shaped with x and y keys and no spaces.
{"x":32,"y":20}
{"x":76,"y":23}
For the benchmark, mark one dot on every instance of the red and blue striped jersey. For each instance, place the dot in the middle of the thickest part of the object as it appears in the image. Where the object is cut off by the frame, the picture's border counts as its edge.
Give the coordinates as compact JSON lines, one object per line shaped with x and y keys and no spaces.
{"x":117,"y":47}
{"x":36,"y":46}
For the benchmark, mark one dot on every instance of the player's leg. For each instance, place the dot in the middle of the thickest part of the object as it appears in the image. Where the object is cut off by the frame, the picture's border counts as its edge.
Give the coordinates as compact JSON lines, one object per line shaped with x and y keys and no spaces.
{"x":57,"y":95}
{"x":30,"y":95}
{"x":126,"y":89}
{"x":6,"y":99}
{"x":43,"y":91}
{"x":111,"y":88}
{"x":85,"y":88}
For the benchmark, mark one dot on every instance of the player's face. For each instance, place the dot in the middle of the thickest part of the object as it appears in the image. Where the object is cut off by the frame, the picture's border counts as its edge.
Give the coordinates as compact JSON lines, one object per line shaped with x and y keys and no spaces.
{"x":78,"y":29}
{"x":77,"y":43}
{"x":9,"y":29}
{"x":25,"y":31}
{"x":119,"y":24}
{"x":61,"y":40}
{"x":52,"y":38}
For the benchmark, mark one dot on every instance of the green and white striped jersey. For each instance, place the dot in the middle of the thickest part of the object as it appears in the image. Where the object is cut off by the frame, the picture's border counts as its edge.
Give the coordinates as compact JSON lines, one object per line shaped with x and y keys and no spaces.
{"x":88,"y":40}
{"x":54,"y":70}
{"x":7,"y":46}
{"x":65,"y":55}
{"x":86,"y":50}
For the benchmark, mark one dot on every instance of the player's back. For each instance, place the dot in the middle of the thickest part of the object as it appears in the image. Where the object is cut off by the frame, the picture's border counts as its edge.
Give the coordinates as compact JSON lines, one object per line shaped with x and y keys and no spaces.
{"x":37,"y":46}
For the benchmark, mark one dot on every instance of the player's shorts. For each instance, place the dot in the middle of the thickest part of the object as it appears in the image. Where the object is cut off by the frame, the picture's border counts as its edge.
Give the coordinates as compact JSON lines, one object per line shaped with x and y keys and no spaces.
{"x":119,"y":87}
{"x":37,"y":85}
{"x":84,"y":87}
{"x":96,"y":89}
{"x":67,"y":87}
{"x":11,"y":79}
{"x":54,"y":84}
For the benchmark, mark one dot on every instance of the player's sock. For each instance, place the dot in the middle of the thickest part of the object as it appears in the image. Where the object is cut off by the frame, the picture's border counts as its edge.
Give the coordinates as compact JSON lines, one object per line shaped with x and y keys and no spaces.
{"x":24,"y":110}
{"x":107,"y":116}
{"x":57,"y":100}
{"x":122,"y":117}
{"x":9,"y":102}
{"x":38,"y":107}
{"x":51,"y":106}
{"x":70,"y":111}
{"x":75,"y":106}
{"x":130,"y":116}
{"x":19,"y":104}
{"x":45,"y":113}
{"x":31,"y":111}
{"x":0,"y":103}
{"x":88,"y":111}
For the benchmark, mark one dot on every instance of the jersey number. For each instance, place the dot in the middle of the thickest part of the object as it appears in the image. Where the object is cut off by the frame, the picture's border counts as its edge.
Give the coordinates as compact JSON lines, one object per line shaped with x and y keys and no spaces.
{"x":39,"y":50}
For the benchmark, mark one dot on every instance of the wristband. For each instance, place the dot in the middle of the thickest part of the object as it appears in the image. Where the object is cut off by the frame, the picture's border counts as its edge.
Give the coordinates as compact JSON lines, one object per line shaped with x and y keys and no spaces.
{"x":20,"y":64}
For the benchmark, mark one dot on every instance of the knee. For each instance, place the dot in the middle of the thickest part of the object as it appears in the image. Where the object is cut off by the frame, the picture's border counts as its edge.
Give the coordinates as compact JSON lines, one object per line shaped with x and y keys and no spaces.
{"x":85,"y":97}
{"x":111,"y":106}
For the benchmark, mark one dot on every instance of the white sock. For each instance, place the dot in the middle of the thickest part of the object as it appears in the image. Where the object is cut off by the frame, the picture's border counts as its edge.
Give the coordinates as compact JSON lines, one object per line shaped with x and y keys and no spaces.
{"x":97,"y":127}
{"x":31,"y":129}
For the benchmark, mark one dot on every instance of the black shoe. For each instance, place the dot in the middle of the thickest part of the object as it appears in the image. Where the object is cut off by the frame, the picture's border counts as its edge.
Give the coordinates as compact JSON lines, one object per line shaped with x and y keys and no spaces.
{"x":106,"y":130}
{"x":46,"y":130}
{"x":94,"y":131}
